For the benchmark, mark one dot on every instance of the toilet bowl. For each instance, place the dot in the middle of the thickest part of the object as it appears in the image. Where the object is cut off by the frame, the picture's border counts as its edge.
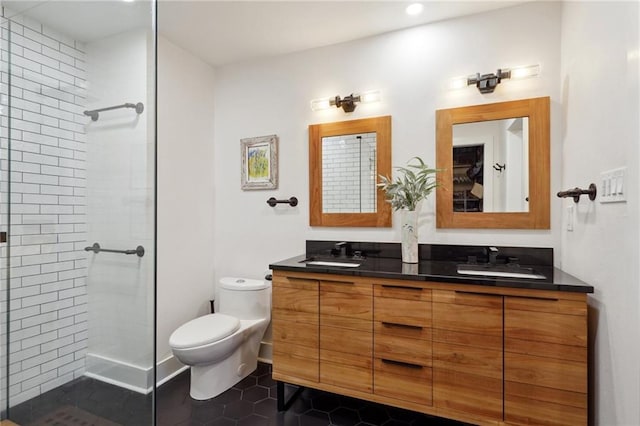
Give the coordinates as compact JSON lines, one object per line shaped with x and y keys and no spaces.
{"x":222,"y":348}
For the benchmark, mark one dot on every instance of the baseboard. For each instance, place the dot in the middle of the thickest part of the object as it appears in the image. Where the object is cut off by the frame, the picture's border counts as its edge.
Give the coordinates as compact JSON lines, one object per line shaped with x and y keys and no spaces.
{"x":119,"y":373}
{"x":266,"y":352}
{"x":169,"y":368}
{"x":140,"y":379}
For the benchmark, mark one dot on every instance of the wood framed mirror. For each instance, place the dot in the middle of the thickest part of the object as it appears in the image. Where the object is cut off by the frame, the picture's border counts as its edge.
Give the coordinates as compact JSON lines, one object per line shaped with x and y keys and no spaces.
{"x":345,"y":159}
{"x":495,"y":165}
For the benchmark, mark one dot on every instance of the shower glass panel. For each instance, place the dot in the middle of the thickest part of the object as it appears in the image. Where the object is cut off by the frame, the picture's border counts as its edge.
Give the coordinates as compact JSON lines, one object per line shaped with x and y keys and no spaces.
{"x":77,"y":182}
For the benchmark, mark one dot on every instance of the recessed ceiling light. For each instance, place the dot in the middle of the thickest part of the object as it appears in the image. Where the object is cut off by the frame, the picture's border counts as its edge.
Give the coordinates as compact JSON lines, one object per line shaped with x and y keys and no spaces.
{"x":128,"y":1}
{"x":414,"y":9}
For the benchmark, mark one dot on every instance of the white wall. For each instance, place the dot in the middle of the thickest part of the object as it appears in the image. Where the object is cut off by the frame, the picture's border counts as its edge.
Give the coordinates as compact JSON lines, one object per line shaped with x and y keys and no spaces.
{"x":185,"y":191}
{"x":411,"y":68}
{"x":601,"y":116}
{"x":120,"y":200}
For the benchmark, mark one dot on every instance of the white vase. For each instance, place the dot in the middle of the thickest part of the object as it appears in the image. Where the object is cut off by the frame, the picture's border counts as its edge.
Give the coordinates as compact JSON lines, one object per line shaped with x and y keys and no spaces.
{"x":409,"y":234}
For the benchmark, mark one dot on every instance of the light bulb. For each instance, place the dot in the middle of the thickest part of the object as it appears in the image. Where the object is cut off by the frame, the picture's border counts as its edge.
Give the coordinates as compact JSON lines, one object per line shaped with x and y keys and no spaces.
{"x":371,"y":96}
{"x":414,"y":9}
{"x":525,"y":71}
{"x":320,"y":104}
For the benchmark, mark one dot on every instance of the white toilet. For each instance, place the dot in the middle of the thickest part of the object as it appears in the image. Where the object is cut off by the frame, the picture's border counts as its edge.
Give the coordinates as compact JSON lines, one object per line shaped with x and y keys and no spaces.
{"x":222,"y":348}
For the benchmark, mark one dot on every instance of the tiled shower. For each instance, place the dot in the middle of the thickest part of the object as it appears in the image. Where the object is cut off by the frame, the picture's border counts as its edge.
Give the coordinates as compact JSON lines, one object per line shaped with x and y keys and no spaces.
{"x":66,"y":183}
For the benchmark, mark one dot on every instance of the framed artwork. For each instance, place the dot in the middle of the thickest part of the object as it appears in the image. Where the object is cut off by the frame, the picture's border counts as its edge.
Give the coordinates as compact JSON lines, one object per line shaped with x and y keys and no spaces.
{"x":259,"y":162}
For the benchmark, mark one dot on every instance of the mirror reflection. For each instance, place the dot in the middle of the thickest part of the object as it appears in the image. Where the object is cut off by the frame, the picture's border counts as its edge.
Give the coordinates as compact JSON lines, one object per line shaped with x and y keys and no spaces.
{"x":349,"y":173}
{"x":491,"y":166}
{"x":345,"y":159}
{"x":501,"y":149}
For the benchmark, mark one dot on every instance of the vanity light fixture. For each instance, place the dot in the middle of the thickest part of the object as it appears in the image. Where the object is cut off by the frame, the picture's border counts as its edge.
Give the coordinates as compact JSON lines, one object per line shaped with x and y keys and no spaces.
{"x":486,"y":83}
{"x":348,"y":103}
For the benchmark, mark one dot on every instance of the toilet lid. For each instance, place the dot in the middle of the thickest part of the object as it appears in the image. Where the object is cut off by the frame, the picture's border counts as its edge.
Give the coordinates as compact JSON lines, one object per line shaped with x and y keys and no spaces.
{"x":203,"y":330}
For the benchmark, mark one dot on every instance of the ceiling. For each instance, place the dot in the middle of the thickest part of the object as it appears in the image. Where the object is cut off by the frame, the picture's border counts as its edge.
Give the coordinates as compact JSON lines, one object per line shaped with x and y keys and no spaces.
{"x":223,"y":32}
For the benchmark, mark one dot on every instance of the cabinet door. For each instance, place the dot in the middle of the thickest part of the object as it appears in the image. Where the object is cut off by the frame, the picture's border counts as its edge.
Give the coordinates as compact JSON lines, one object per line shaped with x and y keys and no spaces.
{"x":295,"y":323}
{"x":545,"y":361}
{"x":346,"y":334}
{"x":467,"y":354}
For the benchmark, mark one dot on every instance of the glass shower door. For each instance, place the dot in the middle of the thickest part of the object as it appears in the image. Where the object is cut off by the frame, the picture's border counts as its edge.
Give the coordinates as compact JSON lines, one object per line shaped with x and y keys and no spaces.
{"x":78,"y":202}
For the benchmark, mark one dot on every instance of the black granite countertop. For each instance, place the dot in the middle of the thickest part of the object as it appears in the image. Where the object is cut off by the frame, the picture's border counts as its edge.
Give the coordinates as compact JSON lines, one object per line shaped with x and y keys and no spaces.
{"x":435,"y":268}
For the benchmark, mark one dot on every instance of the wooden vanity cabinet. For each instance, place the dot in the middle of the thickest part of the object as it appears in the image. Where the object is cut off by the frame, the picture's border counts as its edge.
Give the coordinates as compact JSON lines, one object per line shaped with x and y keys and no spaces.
{"x":479,"y":354}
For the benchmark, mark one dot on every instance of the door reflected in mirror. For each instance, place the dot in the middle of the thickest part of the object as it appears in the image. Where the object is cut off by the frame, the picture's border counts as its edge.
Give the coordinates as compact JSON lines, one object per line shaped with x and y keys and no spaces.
{"x":349,"y":173}
{"x":491,"y":166}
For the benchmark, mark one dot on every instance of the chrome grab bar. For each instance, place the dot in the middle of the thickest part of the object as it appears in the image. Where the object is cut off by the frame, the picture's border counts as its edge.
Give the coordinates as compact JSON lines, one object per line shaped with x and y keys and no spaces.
{"x":97,"y":249}
{"x":94,"y":113}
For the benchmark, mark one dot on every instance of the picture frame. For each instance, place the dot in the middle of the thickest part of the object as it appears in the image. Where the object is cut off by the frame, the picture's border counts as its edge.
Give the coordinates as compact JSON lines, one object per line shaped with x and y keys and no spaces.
{"x":259,"y":162}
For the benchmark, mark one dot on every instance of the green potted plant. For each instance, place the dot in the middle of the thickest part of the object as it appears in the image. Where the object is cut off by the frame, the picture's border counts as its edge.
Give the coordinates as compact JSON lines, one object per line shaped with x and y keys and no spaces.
{"x":414,"y":184}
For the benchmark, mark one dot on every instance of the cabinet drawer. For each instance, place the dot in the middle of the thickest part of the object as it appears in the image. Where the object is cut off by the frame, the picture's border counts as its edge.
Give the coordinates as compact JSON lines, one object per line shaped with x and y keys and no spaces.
{"x":290,"y":363}
{"x":546,"y":327}
{"x":540,"y":371}
{"x":294,"y":333}
{"x":347,"y":376}
{"x":403,"y":381}
{"x":401,"y":311}
{"x":466,"y":359}
{"x":398,"y":348}
{"x":394,"y":291}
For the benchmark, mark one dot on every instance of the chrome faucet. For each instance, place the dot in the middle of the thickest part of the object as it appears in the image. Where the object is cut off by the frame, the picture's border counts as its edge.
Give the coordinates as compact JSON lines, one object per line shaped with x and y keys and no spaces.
{"x":493,"y":254}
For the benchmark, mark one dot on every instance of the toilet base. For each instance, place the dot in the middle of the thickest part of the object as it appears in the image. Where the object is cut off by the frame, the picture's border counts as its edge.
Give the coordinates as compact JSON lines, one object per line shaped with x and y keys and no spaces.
{"x":209,"y":381}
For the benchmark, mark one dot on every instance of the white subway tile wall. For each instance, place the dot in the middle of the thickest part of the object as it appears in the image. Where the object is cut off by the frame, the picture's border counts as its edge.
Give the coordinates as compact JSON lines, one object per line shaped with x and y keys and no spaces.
{"x":48,"y":292}
{"x":349,"y":173}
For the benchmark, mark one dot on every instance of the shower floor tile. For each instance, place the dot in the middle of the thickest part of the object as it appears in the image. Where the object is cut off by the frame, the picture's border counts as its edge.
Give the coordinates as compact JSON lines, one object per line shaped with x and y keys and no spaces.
{"x":251,"y":402}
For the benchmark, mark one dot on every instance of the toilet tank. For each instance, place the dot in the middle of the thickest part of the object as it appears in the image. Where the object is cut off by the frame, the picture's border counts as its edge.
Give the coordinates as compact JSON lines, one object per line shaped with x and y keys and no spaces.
{"x":245,"y":298}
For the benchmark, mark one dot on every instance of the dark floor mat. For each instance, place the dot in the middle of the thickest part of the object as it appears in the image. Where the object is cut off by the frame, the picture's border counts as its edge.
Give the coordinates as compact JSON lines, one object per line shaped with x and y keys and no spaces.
{"x":69,"y":415}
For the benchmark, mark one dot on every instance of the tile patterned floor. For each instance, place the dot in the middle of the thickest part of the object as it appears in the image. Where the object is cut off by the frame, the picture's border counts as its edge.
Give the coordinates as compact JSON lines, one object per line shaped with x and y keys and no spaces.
{"x":251,"y":402}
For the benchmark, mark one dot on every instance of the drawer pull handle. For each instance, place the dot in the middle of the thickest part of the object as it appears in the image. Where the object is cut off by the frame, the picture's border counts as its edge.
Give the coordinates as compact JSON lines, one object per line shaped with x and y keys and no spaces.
{"x":395,"y":324}
{"x":402,"y":287}
{"x":337,"y":282}
{"x":475,"y":293}
{"x":401,"y":363}
{"x":548,"y":299}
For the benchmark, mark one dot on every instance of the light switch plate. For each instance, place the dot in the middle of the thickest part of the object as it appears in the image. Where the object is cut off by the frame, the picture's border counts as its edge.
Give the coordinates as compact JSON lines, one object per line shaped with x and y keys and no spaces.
{"x":569,"y":218}
{"x":613,"y":186}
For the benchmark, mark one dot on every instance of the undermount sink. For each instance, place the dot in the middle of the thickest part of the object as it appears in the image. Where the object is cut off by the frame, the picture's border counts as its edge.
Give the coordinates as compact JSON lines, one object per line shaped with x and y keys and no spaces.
{"x":330,"y":262}
{"x":503,"y":271}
